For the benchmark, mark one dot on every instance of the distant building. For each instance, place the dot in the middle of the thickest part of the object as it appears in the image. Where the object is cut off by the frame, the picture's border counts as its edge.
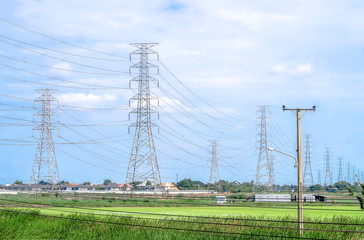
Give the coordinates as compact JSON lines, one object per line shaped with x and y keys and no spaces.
{"x":272,"y":197}
{"x":320,"y":198}
{"x":169,"y":186}
{"x":307,"y":198}
{"x":220,"y":199}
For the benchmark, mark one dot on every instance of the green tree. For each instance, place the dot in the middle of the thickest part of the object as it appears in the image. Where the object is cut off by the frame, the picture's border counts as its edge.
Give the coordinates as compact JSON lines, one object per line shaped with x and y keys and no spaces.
{"x":359,"y":196}
{"x":341,"y":185}
{"x":86,"y":183}
{"x":316,"y":187}
{"x":107,"y":181}
{"x":17,"y":182}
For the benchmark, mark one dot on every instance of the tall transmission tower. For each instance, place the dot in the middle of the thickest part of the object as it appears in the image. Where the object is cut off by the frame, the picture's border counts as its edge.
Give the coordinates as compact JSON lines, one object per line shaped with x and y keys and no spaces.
{"x":328,"y":172}
{"x":143,"y":164}
{"x":263,"y":174}
{"x":318,"y":176}
{"x":214,"y":167}
{"x":348,"y":175}
{"x":45,"y":169}
{"x":307,"y":170}
{"x":340,"y":170}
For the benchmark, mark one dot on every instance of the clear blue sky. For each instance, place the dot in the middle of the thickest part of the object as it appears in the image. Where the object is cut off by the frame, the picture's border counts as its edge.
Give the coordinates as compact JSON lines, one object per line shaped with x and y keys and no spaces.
{"x":235,"y":55}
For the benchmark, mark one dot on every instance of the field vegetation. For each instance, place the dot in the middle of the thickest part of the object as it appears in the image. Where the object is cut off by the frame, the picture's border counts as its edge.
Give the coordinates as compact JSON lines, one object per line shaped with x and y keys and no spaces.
{"x":114,"y":216}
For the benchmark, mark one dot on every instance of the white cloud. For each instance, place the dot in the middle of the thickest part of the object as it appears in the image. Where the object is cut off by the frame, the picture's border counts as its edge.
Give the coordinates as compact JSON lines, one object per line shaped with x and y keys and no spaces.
{"x":84,"y":99}
{"x":61,"y":69}
{"x":299,"y":69}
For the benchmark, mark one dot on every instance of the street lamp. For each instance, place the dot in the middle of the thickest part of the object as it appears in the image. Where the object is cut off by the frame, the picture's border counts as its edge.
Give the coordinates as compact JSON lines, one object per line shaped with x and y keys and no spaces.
{"x":275,"y":150}
{"x":300,"y":216}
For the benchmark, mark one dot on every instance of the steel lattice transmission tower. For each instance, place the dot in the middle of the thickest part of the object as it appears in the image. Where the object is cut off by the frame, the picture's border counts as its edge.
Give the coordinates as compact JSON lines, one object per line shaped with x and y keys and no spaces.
{"x":45,"y":167}
{"x":353,"y":174}
{"x":318,"y":177}
{"x":348,"y":175}
{"x":143,"y":165}
{"x":328,"y":172}
{"x":264,"y":174}
{"x":340,"y":170}
{"x":214,"y":166}
{"x":307,"y":170}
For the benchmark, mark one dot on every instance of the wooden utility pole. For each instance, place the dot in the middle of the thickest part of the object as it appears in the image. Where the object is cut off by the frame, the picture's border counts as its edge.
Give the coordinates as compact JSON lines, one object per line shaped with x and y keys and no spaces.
{"x":297,"y":113}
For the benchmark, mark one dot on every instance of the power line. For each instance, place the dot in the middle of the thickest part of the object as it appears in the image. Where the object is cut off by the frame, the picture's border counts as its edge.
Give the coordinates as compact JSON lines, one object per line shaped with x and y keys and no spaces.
{"x":196,"y":95}
{"x":58,"y":68}
{"x":59,"y":79}
{"x":58,"y":40}
{"x":60,"y":59}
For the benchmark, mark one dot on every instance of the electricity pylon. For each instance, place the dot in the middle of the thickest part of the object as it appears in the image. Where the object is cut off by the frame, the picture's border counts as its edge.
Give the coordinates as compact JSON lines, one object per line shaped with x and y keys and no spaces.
{"x":307,"y":170}
{"x":318,"y":177}
{"x":348,"y":175}
{"x":340,"y":171}
{"x":263,"y":173}
{"x":214,"y":167}
{"x":143,"y":165}
{"x":328,"y":172}
{"x":353,"y":174}
{"x":45,"y":169}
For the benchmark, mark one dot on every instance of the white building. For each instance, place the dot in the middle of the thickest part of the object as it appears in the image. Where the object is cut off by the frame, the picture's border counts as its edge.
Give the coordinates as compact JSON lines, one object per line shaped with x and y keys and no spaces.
{"x":272,"y":197}
{"x":220,"y":199}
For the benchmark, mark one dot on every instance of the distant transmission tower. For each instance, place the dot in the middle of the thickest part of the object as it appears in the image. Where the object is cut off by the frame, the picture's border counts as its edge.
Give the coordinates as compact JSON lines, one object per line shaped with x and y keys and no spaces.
{"x":272,"y":171}
{"x":328,"y":173}
{"x":318,"y":177}
{"x":263,"y":174}
{"x":353,"y":174}
{"x":307,"y":170}
{"x":214,"y":167}
{"x":45,"y":169}
{"x":348,"y":175}
{"x":340,"y":171}
{"x":143,"y":165}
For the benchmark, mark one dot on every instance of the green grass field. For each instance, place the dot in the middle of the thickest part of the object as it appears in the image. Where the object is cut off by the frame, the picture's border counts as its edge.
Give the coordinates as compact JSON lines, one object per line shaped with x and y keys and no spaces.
{"x":318,"y":212}
{"x":117,"y":217}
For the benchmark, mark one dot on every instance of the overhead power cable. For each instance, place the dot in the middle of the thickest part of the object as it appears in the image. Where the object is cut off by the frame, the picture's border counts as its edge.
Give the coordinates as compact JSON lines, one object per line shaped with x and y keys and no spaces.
{"x":58,"y":68}
{"x":192,"y":103}
{"x":50,"y":84}
{"x":60,"y":41}
{"x":196,"y":95}
{"x":79,"y":159}
{"x":97,"y":155}
{"x":60,"y":59}
{"x":63,"y":80}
